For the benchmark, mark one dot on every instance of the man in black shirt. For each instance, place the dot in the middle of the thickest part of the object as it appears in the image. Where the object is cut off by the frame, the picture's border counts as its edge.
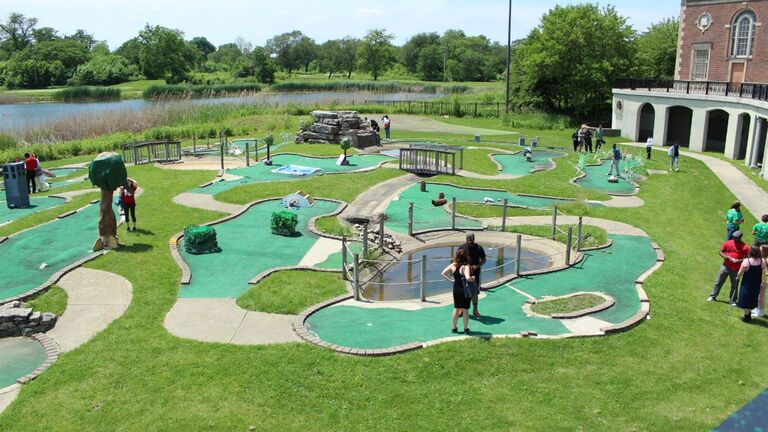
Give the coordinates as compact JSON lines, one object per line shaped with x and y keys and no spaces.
{"x":476,"y":256}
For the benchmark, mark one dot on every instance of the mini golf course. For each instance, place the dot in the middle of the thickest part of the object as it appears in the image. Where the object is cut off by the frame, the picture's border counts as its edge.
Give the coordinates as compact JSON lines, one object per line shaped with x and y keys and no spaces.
{"x":263,"y":173}
{"x":250,"y":248}
{"x":515,"y":164}
{"x":612,"y":271}
{"x":429,"y":217}
{"x":36,"y":204}
{"x":18,"y":357}
{"x":595,"y":178}
{"x":31,"y":257}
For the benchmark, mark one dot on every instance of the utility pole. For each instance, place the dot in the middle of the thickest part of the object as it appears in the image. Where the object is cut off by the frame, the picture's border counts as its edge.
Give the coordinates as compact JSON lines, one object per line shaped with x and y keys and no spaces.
{"x":509,"y":52}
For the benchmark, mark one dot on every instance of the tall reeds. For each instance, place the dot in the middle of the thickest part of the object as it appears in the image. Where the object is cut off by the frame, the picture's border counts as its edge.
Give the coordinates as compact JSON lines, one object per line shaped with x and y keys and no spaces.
{"x":86,"y":94}
{"x":181,"y":91}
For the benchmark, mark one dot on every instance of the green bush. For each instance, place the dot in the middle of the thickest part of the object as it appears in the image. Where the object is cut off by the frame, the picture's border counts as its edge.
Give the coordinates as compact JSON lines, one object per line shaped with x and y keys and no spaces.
{"x":86,"y":93}
{"x":7,"y":142}
{"x":284,"y":223}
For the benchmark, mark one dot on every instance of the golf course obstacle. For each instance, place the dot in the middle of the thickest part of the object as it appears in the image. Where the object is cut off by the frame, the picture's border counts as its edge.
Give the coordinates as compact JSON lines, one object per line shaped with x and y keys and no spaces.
{"x":200,"y":240}
{"x":298,"y":199}
{"x":144,"y":152}
{"x":284,"y":223}
{"x":431,"y":159}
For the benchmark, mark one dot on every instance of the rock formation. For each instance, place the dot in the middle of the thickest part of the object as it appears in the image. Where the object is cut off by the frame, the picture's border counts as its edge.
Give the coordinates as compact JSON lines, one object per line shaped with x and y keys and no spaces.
{"x":330,"y":127}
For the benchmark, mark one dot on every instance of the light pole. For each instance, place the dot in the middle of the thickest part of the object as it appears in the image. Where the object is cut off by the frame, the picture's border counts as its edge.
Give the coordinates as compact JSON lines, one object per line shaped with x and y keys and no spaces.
{"x":509,"y":49}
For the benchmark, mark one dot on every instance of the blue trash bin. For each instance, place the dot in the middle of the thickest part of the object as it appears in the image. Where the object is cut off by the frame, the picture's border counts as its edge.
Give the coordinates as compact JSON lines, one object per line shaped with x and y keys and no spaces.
{"x":15,"y":182}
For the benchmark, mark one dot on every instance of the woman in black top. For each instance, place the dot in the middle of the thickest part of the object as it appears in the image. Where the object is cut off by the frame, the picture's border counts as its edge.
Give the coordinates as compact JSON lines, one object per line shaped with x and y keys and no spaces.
{"x":455,"y":271}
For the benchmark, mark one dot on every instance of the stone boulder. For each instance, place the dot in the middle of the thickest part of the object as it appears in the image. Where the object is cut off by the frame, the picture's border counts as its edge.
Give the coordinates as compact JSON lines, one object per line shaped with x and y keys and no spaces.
{"x":17,"y":319}
{"x":330,"y":127}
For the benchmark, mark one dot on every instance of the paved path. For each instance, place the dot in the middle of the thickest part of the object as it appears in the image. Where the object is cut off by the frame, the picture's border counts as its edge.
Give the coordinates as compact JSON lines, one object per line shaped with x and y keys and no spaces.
{"x":206,"y":202}
{"x":222,"y":320}
{"x":751,"y":196}
{"x":425,"y":124}
{"x":95,"y":299}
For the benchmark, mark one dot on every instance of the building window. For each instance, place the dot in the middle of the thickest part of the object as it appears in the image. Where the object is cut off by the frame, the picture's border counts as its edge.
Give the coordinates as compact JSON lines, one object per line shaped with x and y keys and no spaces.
{"x":743,"y":35}
{"x":700,"y":64}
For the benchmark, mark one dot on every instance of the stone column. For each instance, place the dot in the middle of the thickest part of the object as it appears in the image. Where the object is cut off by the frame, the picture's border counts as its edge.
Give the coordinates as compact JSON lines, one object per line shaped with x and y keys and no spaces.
{"x":660,"y":120}
{"x":698,"y":129}
{"x":756,"y":143}
{"x":733,"y":135}
{"x":751,"y":138}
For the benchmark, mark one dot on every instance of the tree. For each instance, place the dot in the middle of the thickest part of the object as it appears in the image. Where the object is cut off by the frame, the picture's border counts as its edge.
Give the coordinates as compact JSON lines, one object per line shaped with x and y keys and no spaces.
{"x":568,"y":63}
{"x":45,"y":34}
{"x":257,"y":63}
{"x":203,"y":45}
{"x":165,"y":54}
{"x":130,"y":50}
{"x":657,"y":51}
{"x":82,"y":37}
{"x":106,"y":69}
{"x":18,"y":30}
{"x":430,"y":63}
{"x":376,"y":53}
{"x":227,"y":54}
{"x":411,"y":51}
{"x":347,"y":54}
{"x":292,"y":50}
{"x":108,"y":173}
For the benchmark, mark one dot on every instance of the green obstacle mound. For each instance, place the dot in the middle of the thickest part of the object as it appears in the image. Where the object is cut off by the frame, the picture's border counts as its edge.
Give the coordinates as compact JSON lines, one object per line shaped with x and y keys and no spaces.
{"x":612,"y":271}
{"x":200,"y":240}
{"x":36,"y":204}
{"x":596,"y":179}
{"x":284,"y":223}
{"x":262,"y":173}
{"x":516,"y":164}
{"x":18,"y":357}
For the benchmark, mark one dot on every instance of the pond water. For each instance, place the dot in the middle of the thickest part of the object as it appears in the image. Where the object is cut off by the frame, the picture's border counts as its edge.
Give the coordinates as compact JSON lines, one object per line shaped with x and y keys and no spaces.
{"x":15,"y":116}
{"x":18,"y":357}
{"x":402,"y":280}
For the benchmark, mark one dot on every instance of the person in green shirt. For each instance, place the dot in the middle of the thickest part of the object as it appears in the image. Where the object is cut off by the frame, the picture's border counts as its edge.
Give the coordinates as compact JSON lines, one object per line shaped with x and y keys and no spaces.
{"x":760,"y":231}
{"x":734,"y":219}
{"x":600,"y":136}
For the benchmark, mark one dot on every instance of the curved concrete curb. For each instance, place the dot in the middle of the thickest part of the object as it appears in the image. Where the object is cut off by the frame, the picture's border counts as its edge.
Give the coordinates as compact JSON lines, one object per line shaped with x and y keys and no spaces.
{"x":95,"y":298}
{"x":608,"y":301}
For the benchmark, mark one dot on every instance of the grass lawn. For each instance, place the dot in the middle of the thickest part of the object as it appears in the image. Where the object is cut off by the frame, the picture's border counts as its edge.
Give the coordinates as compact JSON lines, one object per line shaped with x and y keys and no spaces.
{"x":53,"y":300}
{"x":592,"y":236}
{"x":331,"y":225}
{"x":566,"y":305}
{"x":292,"y":291}
{"x":686,"y":369}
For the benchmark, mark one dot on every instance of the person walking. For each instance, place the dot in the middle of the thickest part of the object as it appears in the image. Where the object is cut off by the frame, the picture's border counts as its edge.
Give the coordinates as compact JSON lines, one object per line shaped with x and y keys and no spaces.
{"x":387,"y":123}
{"x":575,"y":139}
{"x":759,"y":311}
{"x":648,"y":147}
{"x":599,"y":138}
{"x":588,"y":140}
{"x":760,"y":231}
{"x":457,"y":272}
{"x":733,"y":252}
{"x":128,"y":202}
{"x":674,"y":157}
{"x":733,"y":219}
{"x":615,"y":160}
{"x":30,"y":166}
{"x":476,"y":259}
{"x":582,"y":137}
{"x":751,"y":275}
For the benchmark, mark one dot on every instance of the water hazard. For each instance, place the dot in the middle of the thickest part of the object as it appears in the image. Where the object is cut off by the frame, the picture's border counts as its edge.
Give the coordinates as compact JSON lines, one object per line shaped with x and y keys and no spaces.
{"x":402,"y":280}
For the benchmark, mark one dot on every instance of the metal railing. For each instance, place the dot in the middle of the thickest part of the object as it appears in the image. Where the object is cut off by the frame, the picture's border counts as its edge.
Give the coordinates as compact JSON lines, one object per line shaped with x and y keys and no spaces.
{"x":754,"y":91}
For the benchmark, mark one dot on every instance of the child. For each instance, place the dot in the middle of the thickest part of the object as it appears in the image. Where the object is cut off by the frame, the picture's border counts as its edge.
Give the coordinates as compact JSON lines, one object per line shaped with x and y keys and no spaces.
{"x":128,"y":201}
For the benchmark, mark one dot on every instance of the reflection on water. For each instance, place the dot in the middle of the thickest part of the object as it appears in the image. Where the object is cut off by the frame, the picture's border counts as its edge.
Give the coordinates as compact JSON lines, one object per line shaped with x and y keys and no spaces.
{"x":14,"y":116}
{"x":401,"y":281}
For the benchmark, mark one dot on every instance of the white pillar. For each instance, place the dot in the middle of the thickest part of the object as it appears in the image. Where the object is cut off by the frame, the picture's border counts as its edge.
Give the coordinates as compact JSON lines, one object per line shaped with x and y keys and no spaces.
{"x":751,"y":138}
{"x":756,"y":143}
{"x":698,"y":130}
{"x":661,"y":118}
{"x":733,"y":135}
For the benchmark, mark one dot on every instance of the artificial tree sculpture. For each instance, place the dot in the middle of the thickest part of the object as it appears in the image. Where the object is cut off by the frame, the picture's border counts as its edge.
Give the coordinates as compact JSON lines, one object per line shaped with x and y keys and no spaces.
{"x":268,"y":140}
{"x":107,"y":172}
{"x":345,"y":144}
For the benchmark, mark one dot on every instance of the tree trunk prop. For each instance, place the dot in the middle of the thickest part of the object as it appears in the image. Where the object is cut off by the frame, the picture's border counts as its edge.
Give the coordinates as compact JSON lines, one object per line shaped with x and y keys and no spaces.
{"x":107,"y":172}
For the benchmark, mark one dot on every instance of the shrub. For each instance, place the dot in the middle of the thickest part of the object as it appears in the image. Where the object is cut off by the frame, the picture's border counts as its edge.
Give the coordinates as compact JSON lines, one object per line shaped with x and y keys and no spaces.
{"x":284,"y":223}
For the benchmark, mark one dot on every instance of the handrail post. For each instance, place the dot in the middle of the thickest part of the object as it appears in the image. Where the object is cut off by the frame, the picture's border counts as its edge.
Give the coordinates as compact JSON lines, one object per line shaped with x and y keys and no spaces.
{"x":344,"y":258}
{"x":356,"y":283}
{"x":578,"y":236}
{"x":247,"y":154}
{"x":410,"y":219}
{"x":554,"y":222}
{"x":365,"y":240}
{"x":453,"y":213}
{"x":381,"y":233}
{"x":568,"y":244}
{"x":519,"y":253}
{"x":423,"y":287}
{"x":504,"y":216}
{"x":194,"y":145}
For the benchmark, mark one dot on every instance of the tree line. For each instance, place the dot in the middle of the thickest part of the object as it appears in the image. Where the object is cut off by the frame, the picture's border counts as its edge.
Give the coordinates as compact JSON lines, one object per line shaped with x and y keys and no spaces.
{"x":566,"y":64}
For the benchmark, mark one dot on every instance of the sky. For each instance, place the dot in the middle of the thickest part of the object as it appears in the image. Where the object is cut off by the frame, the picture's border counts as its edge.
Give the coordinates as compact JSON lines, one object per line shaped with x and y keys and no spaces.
{"x":222,"y":21}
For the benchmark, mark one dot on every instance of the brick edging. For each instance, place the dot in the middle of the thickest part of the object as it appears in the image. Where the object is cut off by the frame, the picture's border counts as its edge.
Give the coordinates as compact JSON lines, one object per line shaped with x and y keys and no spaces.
{"x":51,"y":355}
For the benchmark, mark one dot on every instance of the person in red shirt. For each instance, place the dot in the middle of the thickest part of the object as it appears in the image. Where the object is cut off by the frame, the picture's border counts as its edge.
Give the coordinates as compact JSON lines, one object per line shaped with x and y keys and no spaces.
{"x":733,"y":252}
{"x":128,"y":201}
{"x":31,"y":164}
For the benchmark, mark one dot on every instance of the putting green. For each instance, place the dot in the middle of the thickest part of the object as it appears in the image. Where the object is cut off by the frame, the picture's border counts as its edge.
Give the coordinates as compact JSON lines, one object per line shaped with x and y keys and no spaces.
{"x":515,"y":164}
{"x":596,"y":179}
{"x":56,"y":244}
{"x":18,"y":357}
{"x":36,"y":204}
{"x":263,"y":173}
{"x":426,"y":216}
{"x":612,"y":271}
{"x":249,"y":248}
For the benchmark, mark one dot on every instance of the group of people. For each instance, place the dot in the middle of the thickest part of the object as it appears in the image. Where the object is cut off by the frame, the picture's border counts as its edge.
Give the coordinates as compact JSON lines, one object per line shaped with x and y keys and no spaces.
{"x":386,"y":122}
{"x":582,"y":139}
{"x":745,"y":266}
{"x":464,"y":273}
{"x":35,"y":174}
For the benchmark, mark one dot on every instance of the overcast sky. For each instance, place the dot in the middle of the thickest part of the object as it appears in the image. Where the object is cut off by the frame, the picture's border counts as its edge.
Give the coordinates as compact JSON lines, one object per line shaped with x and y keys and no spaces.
{"x":222,"y":21}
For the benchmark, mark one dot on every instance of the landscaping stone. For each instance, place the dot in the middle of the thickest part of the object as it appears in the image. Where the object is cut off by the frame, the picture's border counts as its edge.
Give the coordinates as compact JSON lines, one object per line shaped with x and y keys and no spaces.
{"x":17,"y":319}
{"x":331,"y":127}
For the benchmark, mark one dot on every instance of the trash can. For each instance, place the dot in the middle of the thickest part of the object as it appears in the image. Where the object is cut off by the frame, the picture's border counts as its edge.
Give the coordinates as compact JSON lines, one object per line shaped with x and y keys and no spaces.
{"x":477,"y":138}
{"x":15,"y":182}
{"x":521,"y":141}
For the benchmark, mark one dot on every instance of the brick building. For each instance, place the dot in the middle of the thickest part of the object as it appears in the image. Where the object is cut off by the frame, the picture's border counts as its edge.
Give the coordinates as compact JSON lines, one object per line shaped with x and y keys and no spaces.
{"x":718,"y":101}
{"x":723,"y":40}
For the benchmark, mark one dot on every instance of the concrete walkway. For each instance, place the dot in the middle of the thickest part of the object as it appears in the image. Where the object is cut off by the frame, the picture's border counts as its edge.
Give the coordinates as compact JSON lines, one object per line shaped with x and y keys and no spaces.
{"x":751,"y":196}
{"x":95,"y":299}
{"x":205,"y":202}
{"x":222,"y":320}
{"x":425,"y":124}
